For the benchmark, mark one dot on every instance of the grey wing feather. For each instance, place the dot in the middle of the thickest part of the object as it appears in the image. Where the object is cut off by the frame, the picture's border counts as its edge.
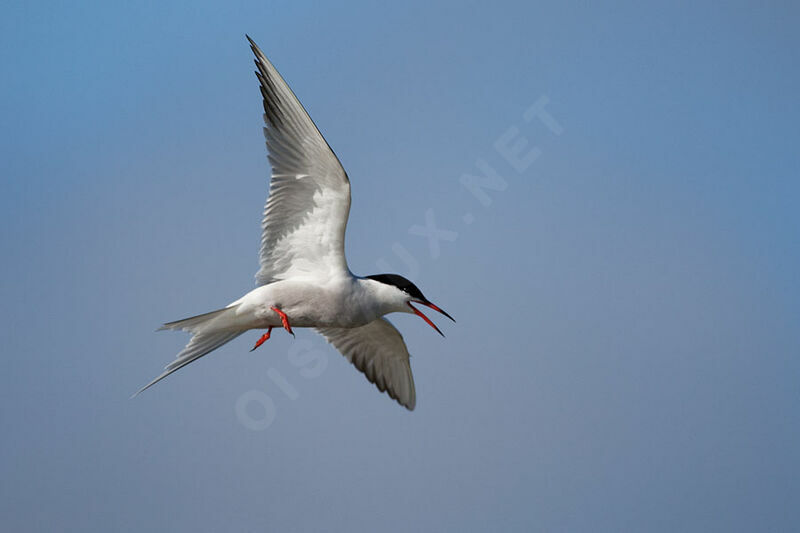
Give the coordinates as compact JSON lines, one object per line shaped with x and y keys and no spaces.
{"x":379,"y":351}
{"x":309,"y":196}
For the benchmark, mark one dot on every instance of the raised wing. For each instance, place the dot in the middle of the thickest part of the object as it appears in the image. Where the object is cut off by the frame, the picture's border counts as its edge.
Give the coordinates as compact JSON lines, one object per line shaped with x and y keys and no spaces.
{"x":378,"y":350}
{"x":309,"y":193}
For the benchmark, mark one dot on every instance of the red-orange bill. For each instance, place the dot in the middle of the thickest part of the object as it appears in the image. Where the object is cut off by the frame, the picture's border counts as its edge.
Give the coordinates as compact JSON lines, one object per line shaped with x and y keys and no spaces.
{"x":428,"y":320}
{"x":436,"y":308}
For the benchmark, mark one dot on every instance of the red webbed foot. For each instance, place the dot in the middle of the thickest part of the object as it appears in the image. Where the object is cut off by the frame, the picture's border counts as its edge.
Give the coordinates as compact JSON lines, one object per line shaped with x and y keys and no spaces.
{"x":263,"y":339}
{"x":284,"y":320}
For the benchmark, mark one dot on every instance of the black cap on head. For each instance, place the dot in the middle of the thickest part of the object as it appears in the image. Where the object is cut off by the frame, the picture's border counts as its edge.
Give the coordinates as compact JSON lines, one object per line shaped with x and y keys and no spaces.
{"x":401,"y":283}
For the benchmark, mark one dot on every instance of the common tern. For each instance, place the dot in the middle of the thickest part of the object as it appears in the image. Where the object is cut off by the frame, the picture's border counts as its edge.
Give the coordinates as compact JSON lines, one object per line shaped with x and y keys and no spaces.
{"x":304,"y":280}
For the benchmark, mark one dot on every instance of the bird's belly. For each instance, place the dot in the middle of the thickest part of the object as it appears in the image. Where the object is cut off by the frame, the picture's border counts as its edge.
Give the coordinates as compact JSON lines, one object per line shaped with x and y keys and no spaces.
{"x":306,"y":305}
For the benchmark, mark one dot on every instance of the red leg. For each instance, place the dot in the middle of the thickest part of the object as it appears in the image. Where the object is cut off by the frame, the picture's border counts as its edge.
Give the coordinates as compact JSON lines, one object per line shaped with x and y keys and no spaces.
{"x":284,"y":319}
{"x":263,"y":338}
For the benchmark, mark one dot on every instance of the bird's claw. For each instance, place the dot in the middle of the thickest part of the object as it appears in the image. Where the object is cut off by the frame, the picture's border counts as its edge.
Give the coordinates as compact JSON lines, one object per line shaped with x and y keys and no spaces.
{"x":284,"y":320}
{"x":263,"y":339}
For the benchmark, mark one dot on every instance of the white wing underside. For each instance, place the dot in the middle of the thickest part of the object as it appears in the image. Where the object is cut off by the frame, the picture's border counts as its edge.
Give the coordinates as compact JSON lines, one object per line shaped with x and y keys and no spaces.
{"x":309,"y":194}
{"x":304,"y":225}
{"x":379,"y":351}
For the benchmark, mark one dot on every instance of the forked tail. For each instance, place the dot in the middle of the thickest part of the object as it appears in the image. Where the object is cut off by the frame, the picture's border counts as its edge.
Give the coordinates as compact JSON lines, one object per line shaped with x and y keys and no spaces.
{"x":210,"y":331}
{"x":196,"y":324}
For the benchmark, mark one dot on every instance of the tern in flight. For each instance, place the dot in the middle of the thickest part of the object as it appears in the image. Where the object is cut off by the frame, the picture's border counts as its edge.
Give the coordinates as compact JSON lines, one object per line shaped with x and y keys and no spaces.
{"x":304,"y":280}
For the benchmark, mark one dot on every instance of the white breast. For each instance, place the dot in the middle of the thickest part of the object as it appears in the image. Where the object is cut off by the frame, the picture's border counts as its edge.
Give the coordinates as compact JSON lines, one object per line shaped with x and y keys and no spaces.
{"x":342,"y":302}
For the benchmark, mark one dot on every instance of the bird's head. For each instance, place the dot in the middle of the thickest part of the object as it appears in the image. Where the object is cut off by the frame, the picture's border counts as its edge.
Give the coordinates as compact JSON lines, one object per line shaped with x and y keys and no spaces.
{"x":403,"y":295}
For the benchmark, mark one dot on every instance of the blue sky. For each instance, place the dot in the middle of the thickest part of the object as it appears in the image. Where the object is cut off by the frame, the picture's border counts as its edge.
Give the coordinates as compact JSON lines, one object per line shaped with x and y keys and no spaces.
{"x":625,"y":357}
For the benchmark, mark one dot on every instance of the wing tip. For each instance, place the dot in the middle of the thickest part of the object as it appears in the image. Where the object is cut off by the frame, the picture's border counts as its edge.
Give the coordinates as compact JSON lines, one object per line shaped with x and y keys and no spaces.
{"x":253,"y":44}
{"x":260,"y":57}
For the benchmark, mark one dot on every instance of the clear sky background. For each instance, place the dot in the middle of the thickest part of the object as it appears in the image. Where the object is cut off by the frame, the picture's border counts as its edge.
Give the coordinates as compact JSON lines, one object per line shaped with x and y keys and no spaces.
{"x":626,"y":352}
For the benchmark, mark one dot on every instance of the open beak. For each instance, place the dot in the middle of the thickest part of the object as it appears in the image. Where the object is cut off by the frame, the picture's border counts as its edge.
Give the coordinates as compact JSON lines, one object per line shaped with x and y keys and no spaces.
{"x":426,"y":319}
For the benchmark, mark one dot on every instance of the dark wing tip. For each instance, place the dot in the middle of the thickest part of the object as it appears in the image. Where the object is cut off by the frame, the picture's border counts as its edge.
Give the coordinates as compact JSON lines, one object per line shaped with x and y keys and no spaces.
{"x":256,"y":50}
